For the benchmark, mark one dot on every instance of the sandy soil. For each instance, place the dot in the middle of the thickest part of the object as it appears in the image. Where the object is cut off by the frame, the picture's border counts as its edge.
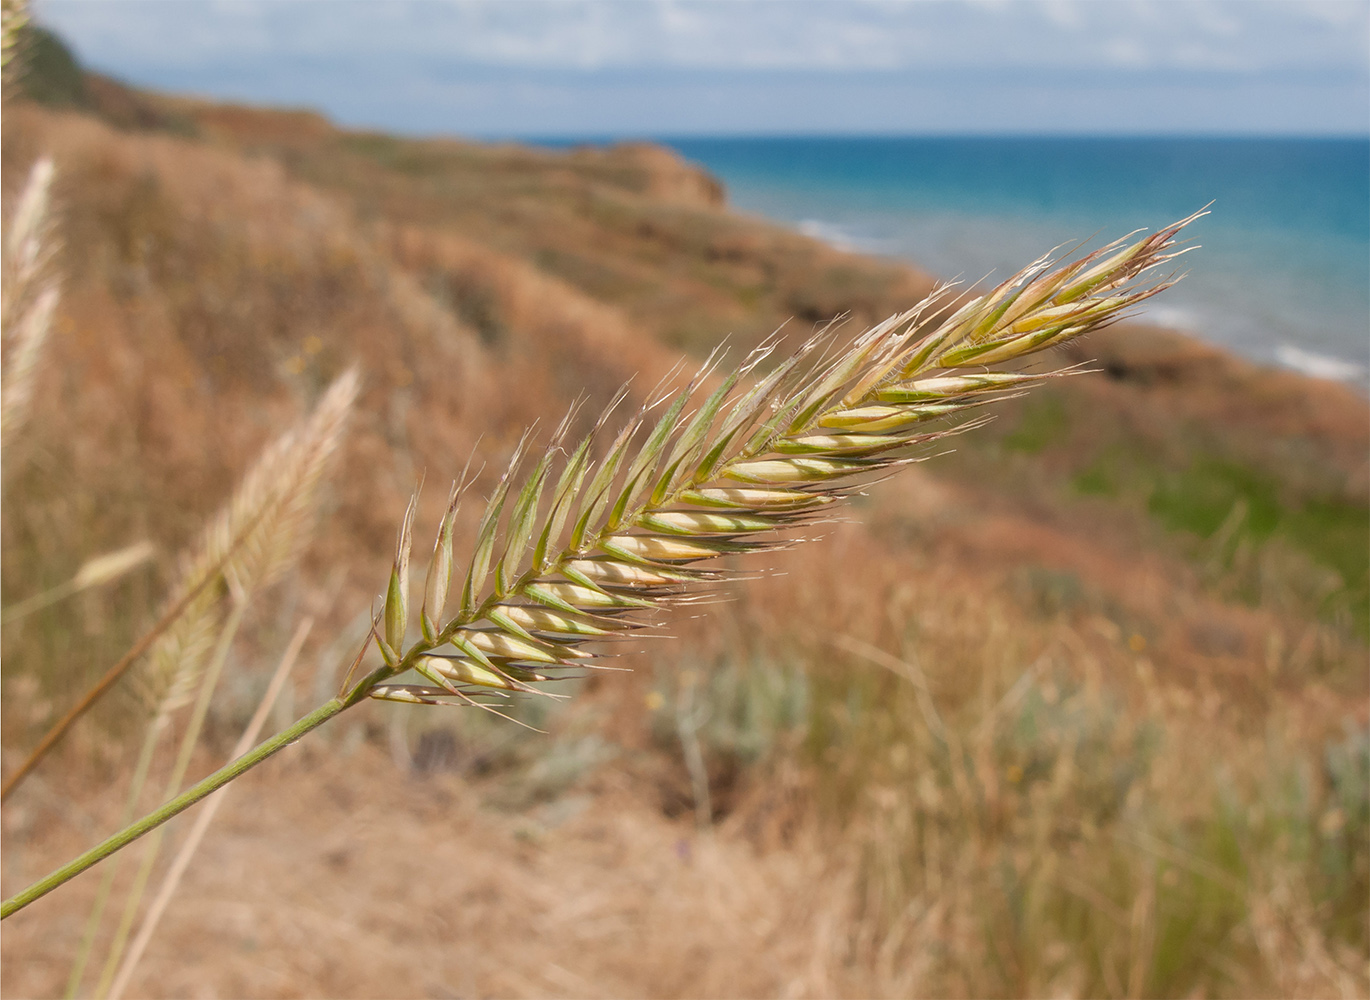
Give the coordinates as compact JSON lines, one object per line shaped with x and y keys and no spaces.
{"x":332,"y":874}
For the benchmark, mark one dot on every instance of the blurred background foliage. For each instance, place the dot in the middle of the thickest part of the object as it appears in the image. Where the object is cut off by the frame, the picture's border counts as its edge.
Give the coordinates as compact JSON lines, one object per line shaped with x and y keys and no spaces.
{"x":1078,"y":709}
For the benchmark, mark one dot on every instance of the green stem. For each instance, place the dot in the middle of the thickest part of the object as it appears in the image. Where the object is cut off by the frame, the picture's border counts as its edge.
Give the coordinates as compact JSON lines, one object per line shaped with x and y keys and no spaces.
{"x":153,"y":845}
{"x":191,"y":796}
{"x":97,"y":911}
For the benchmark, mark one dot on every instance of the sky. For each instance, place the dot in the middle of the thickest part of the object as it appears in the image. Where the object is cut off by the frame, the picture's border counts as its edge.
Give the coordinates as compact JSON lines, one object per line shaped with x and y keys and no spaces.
{"x":617,"y":68}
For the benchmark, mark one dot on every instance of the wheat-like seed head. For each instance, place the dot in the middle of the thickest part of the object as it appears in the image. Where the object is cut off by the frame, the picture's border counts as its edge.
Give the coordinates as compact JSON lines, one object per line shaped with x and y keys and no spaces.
{"x":28,"y":244}
{"x":102,"y":569}
{"x":14,"y":17}
{"x":283,"y":485}
{"x":28,"y":298}
{"x":576,"y":556}
{"x":254,"y":539}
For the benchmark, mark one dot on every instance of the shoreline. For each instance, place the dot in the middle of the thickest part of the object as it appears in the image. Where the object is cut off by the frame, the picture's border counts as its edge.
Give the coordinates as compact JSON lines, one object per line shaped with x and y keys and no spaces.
{"x":1154,"y":324}
{"x":1280,"y":355}
{"x":1278,"y":280}
{"x":1285,"y":356}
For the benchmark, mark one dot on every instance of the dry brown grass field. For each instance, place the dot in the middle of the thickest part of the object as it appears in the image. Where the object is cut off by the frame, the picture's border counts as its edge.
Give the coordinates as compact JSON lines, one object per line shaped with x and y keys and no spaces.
{"x":1079,"y":709}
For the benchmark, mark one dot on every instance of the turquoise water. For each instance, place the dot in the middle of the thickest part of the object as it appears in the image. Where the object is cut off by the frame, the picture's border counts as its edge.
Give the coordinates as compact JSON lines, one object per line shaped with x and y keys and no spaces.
{"x":1283,"y":275}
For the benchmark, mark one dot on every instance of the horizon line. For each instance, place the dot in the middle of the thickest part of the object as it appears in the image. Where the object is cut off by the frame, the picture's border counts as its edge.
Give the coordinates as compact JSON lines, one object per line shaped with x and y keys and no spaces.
{"x":665,"y":137}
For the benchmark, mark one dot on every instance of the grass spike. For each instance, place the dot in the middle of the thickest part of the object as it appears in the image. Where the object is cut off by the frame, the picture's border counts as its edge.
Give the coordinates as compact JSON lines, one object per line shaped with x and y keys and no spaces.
{"x":486,"y":533}
{"x":818,"y":383}
{"x":397,"y":594}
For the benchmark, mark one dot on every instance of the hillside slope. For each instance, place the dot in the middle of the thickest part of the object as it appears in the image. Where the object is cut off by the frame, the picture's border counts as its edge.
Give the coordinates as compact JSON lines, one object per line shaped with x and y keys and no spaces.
{"x":1137,"y":603}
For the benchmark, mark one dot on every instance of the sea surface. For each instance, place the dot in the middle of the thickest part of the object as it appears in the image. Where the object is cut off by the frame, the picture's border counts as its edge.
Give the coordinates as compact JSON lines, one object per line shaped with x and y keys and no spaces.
{"x":1282,"y":276}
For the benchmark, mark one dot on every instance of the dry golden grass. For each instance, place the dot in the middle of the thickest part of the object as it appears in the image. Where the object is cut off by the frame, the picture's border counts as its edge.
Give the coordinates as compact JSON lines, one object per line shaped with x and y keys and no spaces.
{"x":30,"y":296}
{"x":214,"y":295}
{"x":254,"y":539}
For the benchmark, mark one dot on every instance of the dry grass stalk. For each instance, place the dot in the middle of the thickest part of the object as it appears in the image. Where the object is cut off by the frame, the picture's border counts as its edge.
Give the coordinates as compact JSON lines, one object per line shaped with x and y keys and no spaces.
{"x":98,"y":690}
{"x":578,"y":557}
{"x":206,"y":816}
{"x":29,"y":297}
{"x":94,"y":572}
{"x":248,"y":545}
{"x":251,"y":542}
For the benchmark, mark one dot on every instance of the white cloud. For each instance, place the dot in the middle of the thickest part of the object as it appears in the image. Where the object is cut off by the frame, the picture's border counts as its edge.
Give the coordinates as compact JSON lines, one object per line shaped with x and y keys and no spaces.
{"x":346,"y":53}
{"x":1063,"y":13}
{"x":744,"y":34}
{"x":1128,"y":53}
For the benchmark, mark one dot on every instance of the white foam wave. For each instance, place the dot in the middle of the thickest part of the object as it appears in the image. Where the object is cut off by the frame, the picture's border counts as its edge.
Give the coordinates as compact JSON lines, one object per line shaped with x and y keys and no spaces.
{"x":1319,"y":365}
{"x":1171,"y":317}
{"x":833,"y":235}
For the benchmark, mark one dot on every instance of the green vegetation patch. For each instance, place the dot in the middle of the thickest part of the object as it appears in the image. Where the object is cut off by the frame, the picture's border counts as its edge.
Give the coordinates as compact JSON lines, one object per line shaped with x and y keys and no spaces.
{"x":1044,"y":422}
{"x":1342,"y":882}
{"x":378,"y":146}
{"x":473,"y":299}
{"x":1336,"y":534}
{"x":1233,"y":508}
{"x":406,"y":157}
{"x":697,"y":332}
{"x":1201,"y":498}
{"x":1231,"y":505}
{"x":593,"y":275}
{"x":50,"y":74}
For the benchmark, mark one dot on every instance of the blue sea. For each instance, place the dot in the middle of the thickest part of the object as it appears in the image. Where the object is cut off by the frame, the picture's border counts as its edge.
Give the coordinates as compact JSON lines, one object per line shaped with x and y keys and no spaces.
{"x":1283,"y":276}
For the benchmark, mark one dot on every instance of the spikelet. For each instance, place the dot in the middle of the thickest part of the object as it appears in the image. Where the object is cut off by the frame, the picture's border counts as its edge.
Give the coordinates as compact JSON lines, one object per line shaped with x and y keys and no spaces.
{"x":261,"y":531}
{"x":14,"y":17}
{"x":576,"y":557}
{"x":29,"y":297}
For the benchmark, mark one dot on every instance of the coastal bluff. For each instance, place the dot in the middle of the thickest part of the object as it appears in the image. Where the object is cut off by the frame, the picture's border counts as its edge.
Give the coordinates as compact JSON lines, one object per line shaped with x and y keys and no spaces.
{"x":1139,"y":594}
{"x":249,"y":253}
